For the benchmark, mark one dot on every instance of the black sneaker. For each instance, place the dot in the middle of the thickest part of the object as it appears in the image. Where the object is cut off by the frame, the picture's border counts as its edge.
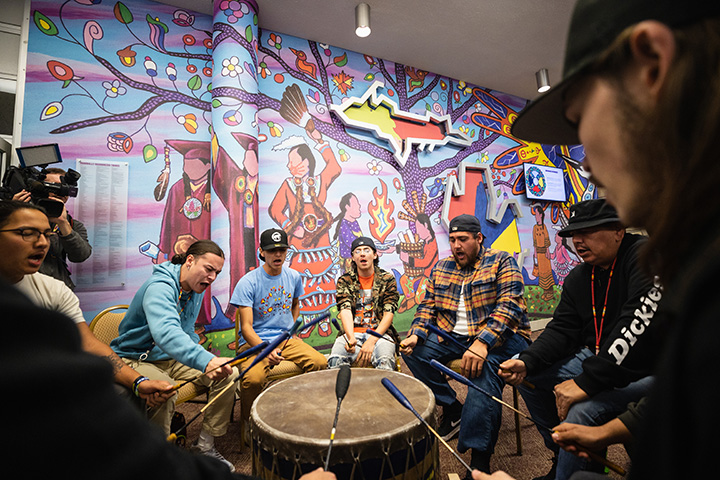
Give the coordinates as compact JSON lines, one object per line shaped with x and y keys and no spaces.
{"x":450,"y":423}
{"x":551,"y":474}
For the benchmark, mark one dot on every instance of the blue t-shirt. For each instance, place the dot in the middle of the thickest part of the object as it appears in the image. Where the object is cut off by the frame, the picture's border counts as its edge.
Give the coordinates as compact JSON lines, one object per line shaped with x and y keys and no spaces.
{"x":271,"y":298}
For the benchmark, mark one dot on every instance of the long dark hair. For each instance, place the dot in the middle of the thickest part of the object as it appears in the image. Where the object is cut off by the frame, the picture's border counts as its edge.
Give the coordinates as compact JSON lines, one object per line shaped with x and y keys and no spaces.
{"x":198,"y":249}
{"x":306,"y":154}
{"x":674,"y":147}
{"x":344,"y":202}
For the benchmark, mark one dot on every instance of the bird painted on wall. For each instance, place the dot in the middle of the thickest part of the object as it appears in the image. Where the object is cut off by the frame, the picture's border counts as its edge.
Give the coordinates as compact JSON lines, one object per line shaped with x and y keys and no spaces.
{"x":302,"y":64}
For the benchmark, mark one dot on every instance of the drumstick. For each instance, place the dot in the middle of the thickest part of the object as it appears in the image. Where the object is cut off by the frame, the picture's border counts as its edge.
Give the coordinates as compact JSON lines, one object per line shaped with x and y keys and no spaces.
{"x":340,"y":329}
{"x":454,"y":341}
{"x":406,"y":403}
{"x":260,"y":356}
{"x":439,"y":366}
{"x":173,"y":436}
{"x":296,"y":326}
{"x":378,"y":335}
{"x":341,"y":387}
{"x":305,"y":326}
{"x":232,"y":362}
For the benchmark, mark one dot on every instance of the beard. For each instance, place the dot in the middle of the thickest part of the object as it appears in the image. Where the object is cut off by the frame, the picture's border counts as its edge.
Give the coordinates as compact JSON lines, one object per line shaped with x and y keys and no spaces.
{"x":645,"y":156}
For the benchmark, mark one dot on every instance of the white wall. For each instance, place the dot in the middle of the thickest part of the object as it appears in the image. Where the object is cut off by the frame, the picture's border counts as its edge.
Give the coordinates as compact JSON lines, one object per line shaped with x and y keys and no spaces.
{"x":13,"y":38}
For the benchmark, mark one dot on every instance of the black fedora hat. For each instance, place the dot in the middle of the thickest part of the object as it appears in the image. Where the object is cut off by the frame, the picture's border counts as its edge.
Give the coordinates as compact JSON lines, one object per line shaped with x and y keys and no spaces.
{"x":588,"y":214}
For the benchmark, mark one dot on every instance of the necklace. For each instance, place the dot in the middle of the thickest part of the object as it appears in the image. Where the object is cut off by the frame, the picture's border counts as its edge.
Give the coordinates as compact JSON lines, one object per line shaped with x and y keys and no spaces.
{"x":183,"y":300}
{"x":598,"y":332}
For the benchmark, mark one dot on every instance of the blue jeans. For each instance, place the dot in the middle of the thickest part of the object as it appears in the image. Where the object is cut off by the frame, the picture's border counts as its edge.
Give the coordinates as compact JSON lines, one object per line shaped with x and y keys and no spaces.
{"x":383,"y":356}
{"x":597,"y":410}
{"x":481,"y":415}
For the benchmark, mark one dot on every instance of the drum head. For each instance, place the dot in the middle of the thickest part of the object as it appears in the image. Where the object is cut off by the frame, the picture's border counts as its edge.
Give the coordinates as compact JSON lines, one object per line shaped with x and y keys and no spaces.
{"x":294,"y":418}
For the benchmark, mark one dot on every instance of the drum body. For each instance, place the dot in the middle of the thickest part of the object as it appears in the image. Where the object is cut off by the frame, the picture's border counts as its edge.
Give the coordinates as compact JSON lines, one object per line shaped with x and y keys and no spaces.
{"x":376,"y":437}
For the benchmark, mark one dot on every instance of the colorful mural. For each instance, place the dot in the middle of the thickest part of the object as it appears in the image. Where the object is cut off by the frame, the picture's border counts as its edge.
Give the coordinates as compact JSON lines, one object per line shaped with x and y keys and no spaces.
{"x":229,"y":130}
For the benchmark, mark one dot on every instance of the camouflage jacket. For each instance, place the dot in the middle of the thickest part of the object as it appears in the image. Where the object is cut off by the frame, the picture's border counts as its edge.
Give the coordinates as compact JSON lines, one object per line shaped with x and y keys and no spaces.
{"x":384,"y":292}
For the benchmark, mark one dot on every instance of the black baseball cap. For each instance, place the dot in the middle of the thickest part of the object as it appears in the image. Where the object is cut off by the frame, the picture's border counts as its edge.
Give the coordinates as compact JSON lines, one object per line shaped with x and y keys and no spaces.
{"x":588,"y":214}
{"x":363,"y":241}
{"x":594,"y":25}
{"x":465,"y":223}
{"x":273,"y":238}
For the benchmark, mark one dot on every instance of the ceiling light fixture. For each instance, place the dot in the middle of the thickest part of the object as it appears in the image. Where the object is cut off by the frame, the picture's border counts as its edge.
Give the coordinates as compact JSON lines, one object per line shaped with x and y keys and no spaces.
{"x":543,"y":82}
{"x":362,"y":20}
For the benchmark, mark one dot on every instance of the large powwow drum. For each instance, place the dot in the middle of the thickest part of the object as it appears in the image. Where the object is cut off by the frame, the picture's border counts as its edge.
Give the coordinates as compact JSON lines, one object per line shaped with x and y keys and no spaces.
{"x":376,"y":437}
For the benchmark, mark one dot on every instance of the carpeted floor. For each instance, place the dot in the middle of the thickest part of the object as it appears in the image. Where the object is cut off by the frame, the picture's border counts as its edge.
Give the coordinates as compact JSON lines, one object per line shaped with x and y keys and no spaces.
{"x":533,"y":462}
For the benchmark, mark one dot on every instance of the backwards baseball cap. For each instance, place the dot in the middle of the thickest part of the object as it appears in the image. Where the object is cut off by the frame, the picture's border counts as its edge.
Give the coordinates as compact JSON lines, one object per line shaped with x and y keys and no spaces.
{"x":594,"y":25}
{"x":363,"y":241}
{"x":465,"y":223}
{"x":273,"y":238}
{"x":588,"y":214}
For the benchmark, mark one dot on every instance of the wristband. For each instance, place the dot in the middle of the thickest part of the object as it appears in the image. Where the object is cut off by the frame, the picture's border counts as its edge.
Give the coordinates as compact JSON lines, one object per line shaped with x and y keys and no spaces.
{"x":137,"y":383}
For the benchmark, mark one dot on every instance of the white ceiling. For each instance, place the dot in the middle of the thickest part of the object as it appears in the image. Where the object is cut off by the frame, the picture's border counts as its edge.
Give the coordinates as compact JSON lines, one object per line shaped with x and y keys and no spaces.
{"x":498,"y":44}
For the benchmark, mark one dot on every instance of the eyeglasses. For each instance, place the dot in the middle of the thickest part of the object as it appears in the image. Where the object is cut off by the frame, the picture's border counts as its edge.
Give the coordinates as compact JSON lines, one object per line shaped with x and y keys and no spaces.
{"x":31,"y":234}
{"x":362,"y":251}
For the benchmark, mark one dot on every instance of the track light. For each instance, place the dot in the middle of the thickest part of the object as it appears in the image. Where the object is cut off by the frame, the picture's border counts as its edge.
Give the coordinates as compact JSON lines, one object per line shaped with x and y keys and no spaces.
{"x":362,"y":20}
{"x":543,"y":83}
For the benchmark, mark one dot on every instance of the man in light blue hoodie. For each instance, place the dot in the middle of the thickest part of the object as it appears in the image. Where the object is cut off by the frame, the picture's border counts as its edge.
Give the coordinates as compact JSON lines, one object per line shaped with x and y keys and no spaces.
{"x":157,"y":338}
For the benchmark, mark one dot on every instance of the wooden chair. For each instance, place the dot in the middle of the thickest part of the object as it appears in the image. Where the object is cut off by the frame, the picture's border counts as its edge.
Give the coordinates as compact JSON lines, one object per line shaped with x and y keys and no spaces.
{"x":105,"y":328}
{"x":455,"y":365}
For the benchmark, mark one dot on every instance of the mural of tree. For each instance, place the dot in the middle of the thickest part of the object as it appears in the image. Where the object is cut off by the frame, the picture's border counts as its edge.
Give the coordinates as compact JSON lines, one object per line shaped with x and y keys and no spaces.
{"x":129,"y":76}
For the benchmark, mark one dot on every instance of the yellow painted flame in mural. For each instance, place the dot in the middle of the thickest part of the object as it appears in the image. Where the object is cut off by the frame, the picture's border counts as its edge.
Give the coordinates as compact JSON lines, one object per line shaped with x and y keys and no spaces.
{"x":380,"y":209}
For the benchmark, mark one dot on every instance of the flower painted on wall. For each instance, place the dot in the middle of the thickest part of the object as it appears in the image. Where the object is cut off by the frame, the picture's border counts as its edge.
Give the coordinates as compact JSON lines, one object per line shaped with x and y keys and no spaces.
{"x":150,"y":67}
{"x":51,"y":110}
{"x":231,"y":67}
{"x":119,"y":142}
{"x":275,"y":41}
{"x":374,"y":167}
{"x":183,"y":18}
{"x":232,"y":117}
{"x":62,"y":72}
{"x":171,"y":72}
{"x":158,"y":30}
{"x":233,"y":10}
{"x":264,"y":70}
{"x":113,"y":89}
{"x":275,"y":129}
{"x":189,"y":121}
{"x":127,"y":56}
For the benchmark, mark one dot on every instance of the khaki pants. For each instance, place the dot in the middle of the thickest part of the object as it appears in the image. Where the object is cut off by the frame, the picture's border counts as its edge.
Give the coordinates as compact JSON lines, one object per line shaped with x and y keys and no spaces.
{"x":296,"y":351}
{"x":217,"y":415}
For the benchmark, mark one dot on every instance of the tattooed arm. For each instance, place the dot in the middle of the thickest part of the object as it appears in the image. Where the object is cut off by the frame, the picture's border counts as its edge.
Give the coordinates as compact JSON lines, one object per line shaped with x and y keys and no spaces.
{"x":154,"y":392}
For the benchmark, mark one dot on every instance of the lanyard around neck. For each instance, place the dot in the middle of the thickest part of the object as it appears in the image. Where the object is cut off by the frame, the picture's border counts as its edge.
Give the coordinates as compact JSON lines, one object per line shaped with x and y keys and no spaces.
{"x":598,"y":332}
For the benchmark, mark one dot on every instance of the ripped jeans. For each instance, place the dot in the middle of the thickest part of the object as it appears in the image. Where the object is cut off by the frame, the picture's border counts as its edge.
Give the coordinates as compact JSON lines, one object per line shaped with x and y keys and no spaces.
{"x":383,"y":356}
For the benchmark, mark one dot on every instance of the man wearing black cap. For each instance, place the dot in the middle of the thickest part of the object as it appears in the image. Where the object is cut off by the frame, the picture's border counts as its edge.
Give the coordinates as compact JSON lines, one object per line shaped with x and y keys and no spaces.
{"x":640,"y":92}
{"x":268,"y":299}
{"x":367,"y":297}
{"x":584,"y":369}
{"x":476,"y":295}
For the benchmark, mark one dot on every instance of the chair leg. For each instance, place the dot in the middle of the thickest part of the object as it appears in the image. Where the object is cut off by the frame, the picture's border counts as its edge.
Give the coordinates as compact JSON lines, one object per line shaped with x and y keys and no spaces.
{"x":518,"y":437}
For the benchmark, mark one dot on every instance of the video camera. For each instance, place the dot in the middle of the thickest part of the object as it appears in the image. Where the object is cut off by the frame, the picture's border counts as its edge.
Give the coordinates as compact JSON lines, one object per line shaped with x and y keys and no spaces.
{"x":31,"y":174}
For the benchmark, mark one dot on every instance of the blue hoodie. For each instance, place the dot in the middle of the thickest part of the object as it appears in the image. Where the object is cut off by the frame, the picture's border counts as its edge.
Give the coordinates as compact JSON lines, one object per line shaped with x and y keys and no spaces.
{"x":161,"y":324}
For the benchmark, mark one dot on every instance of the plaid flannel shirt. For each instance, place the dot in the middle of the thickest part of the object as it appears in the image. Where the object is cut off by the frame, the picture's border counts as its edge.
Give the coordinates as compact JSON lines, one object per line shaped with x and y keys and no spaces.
{"x":493,"y":296}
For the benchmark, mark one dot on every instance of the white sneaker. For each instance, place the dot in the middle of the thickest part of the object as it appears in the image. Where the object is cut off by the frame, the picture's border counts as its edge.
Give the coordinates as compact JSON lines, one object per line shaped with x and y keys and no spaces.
{"x":212,"y":452}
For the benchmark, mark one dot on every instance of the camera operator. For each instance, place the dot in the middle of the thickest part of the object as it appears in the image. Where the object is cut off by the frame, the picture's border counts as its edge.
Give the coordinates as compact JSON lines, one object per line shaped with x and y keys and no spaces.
{"x":70,"y":243}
